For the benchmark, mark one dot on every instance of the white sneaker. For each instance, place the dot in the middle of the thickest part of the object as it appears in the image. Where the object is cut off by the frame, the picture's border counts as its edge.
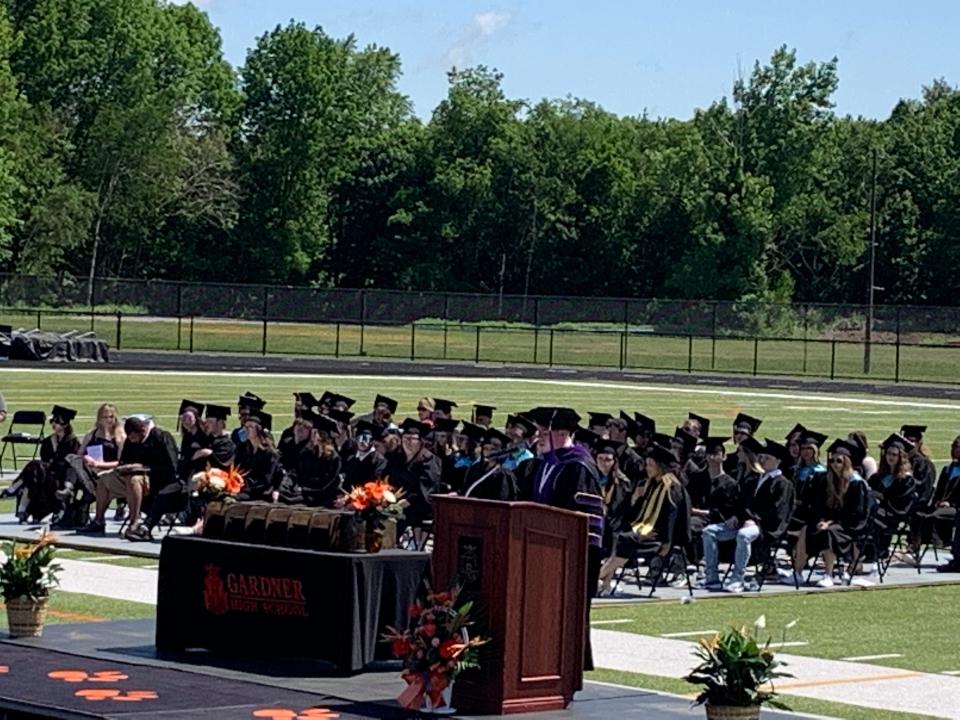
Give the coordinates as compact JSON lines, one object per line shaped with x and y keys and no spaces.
{"x":791,"y":578}
{"x":826,"y":582}
{"x":863,"y":582}
{"x":735,"y":587}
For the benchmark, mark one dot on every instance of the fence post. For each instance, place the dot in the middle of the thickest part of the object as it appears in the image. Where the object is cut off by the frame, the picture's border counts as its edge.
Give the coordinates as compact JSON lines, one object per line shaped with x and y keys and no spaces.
{"x":361,"y":338}
{"x":536,"y":343}
{"x":896,"y":363}
{"x":550,"y":354}
{"x":626,"y":350}
{"x":39,"y":315}
{"x":444,"y":339}
{"x":476,"y":355}
{"x":536,"y":311}
{"x":756,"y":353}
{"x":266,"y":311}
{"x":336,"y":346}
{"x":806,"y":323}
{"x":713,"y":338}
{"x":119,"y":321}
{"x":413,"y":341}
{"x":623,"y":335}
{"x":690,"y":355}
{"x":191,"y":333}
{"x":179,"y":329}
{"x":446,"y":308}
{"x":833,"y":358}
{"x":93,"y":316}
{"x":626,"y":315}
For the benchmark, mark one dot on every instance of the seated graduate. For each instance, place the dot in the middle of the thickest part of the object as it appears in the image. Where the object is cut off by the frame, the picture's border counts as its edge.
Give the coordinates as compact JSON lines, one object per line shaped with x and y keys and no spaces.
{"x":936,"y":523}
{"x":487,"y":479}
{"x":744,"y":426}
{"x":925,"y":475}
{"x":443,"y":409}
{"x":483,"y":415}
{"x":384,"y":408}
{"x":247,"y":403}
{"x":807,"y":467}
{"x":294,"y":438}
{"x":217,"y":449}
{"x":425,"y":410}
{"x":652,"y":528}
{"x":521,"y":432}
{"x":440,"y":442}
{"x":837,"y":513}
{"x":258,"y":459}
{"x":617,"y":491}
{"x":713,"y":493}
{"x":317,"y":476}
{"x":895,"y":489}
{"x":192,"y":435}
{"x":792,"y":440}
{"x":39,"y":480}
{"x":764,"y":507}
{"x":467,"y":453}
{"x":366,"y":463}
{"x":868,"y":465}
{"x":416,"y":471}
{"x":99,"y":453}
{"x":330,"y":401}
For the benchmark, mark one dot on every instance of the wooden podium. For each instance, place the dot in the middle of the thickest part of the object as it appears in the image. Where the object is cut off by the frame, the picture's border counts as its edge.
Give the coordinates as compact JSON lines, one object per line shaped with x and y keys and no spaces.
{"x":524,"y":565}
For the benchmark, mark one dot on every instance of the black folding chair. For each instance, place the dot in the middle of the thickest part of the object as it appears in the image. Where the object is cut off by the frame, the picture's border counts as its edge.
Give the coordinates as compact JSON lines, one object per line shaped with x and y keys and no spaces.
{"x":30,"y":418}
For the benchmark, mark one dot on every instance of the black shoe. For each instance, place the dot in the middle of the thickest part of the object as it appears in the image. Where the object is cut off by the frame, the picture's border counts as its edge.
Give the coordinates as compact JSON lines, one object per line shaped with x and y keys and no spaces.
{"x":120,"y":514}
{"x":141,"y":533}
{"x":951,"y":567}
{"x":93,"y":528}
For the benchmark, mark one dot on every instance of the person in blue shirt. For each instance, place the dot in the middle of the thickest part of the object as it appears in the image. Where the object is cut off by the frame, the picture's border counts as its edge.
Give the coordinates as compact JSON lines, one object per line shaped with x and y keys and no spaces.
{"x":520,"y":431}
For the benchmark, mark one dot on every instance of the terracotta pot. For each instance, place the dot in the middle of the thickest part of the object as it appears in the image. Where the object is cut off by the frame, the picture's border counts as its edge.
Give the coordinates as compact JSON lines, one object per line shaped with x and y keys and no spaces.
{"x":732,"y":712}
{"x":26,"y":617}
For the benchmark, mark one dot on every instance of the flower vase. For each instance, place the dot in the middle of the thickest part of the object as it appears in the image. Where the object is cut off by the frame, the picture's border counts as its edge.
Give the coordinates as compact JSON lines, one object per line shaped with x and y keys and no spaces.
{"x":732,"y":712}
{"x":373,"y":540}
{"x":25,"y":617}
{"x":444,"y":707}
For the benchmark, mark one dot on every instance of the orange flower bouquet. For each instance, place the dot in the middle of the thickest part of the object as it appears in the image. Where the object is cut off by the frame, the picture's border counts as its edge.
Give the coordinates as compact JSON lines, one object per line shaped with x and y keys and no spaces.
{"x":216,"y":484}
{"x":434,"y":649}
{"x":375,"y":502}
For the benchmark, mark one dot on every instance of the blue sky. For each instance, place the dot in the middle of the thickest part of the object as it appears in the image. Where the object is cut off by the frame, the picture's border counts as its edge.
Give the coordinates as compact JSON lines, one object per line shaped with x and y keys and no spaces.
{"x":660,"y":56}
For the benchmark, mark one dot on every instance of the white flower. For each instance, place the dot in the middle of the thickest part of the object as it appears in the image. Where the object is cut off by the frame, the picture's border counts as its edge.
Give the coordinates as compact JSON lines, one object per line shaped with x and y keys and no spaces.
{"x":217,"y":483}
{"x":389,"y":496}
{"x":760,"y":623}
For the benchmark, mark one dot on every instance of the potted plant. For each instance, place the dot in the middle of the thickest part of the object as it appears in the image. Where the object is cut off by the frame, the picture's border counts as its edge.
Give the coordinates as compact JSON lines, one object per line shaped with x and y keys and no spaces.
{"x":434,"y":649}
{"x":736,"y":673}
{"x":375,"y":503}
{"x":26,"y":578}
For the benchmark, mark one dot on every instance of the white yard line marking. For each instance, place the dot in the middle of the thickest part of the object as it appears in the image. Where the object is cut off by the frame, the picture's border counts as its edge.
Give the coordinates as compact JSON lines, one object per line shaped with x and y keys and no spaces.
{"x":790,"y":643}
{"x":691,"y":633}
{"x":859,"y":658}
{"x":950,"y":672}
{"x":611,"y":622}
{"x":666,"y":387}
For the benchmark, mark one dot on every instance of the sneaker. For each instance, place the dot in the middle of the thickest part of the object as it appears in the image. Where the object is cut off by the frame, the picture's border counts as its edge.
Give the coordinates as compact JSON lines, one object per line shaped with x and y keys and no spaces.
{"x":680,"y":581}
{"x":120,"y":513}
{"x":735,"y":587}
{"x":791,"y":577}
{"x":826,"y":582}
{"x":862,"y":582}
{"x":141,"y":533}
{"x":93,"y":528}
{"x":751,"y":585}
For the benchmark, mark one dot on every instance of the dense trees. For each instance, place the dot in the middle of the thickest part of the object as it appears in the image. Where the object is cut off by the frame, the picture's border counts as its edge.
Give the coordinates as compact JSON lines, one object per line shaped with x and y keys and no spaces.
{"x":129,"y":146}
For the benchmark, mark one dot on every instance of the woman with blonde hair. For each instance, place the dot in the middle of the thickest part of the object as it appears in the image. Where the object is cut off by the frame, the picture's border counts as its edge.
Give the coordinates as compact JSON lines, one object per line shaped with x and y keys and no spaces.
{"x":653,"y":525}
{"x":895,"y":487}
{"x":258,"y":459}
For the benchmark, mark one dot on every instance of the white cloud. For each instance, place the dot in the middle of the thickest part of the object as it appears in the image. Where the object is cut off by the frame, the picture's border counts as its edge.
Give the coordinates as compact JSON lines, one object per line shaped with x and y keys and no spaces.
{"x":482,"y":27}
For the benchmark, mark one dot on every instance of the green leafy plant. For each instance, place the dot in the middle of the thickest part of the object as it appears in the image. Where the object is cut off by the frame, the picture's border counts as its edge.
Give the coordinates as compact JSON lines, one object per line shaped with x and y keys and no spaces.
{"x":29,"y":571}
{"x":736,"y":670}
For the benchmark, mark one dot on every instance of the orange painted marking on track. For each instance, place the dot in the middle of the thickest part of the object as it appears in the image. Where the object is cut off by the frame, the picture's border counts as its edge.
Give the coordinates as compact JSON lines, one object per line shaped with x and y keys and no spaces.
{"x":847,"y":681}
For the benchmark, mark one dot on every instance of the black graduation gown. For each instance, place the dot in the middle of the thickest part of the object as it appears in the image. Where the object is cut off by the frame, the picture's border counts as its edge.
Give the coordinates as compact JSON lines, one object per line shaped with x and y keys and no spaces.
{"x":359,"y":470}
{"x":925,"y":475}
{"x":318,"y":478}
{"x":769,"y":504}
{"x":190,"y":442}
{"x":419,"y":479}
{"x":936,"y":523}
{"x":628,"y":542}
{"x":262,"y":471}
{"x":618,"y":508}
{"x":631,"y":464}
{"x":489,"y":481}
{"x":718,"y":495}
{"x":290,"y":449}
{"x":54,"y":453}
{"x":896,"y":499}
{"x":849,"y":520}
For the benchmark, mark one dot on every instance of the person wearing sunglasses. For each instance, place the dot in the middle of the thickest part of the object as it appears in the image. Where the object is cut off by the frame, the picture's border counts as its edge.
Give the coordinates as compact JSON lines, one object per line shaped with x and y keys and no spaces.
{"x":744,"y":426}
{"x":839,"y":499}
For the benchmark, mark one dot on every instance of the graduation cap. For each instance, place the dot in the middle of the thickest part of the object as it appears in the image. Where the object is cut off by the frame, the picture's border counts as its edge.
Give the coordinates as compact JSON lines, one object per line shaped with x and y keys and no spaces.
{"x":331,"y":399}
{"x":632,"y":428}
{"x":608,"y":447}
{"x":473,"y":432}
{"x":661,"y":455}
{"x":797,"y":429}
{"x":388,"y":403}
{"x":251,"y":400}
{"x":774,"y":449}
{"x":325,"y":424}
{"x":191,"y":405}
{"x":365,"y":426}
{"x":444,"y":406}
{"x":492,"y":434}
{"x":913,"y":431}
{"x":688,"y":441}
{"x":483,"y":411}
{"x":519,"y":421}
{"x":308,"y":415}
{"x":447,"y":425}
{"x":218,"y":412}
{"x":662,"y":440}
{"x":414,"y":427}
{"x":746,"y":424}
{"x":306,"y":399}
{"x":587,"y":437}
{"x":262,"y":418}
{"x":599,"y":418}
{"x":845,"y":447}
{"x":751,"y":444}
{"x":715,"y":444}
{"x":811,"y":437}
{"x":341,"y":416}
{"x":703,"y":422}
{"x":62,"y":414}
{"x":897,"y":440}
{"x":644,"y":423}
{"x":556,"y":418}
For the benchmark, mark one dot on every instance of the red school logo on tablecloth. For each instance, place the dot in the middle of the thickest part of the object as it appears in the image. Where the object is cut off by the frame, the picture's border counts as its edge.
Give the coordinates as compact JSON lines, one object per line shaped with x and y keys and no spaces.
{"x":246,"y":593}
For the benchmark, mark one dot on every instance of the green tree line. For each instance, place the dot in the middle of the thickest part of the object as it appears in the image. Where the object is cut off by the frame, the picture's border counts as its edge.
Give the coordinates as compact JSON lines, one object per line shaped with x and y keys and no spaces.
{"x":130,"y":147}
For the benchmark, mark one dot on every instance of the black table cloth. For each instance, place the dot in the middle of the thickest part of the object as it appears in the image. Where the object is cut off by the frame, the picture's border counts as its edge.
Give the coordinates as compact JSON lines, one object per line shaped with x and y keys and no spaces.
{"x":251,"y":599}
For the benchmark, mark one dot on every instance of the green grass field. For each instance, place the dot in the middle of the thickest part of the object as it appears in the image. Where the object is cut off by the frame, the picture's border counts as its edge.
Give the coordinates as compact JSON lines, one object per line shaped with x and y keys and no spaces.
{"x":67,"y":607}
{"x":159,"y":393}
{"x":512,"y":344}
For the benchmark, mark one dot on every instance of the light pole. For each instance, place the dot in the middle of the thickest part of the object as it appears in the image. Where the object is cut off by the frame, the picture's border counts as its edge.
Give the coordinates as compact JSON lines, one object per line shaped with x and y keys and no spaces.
{"x":871,"y":285}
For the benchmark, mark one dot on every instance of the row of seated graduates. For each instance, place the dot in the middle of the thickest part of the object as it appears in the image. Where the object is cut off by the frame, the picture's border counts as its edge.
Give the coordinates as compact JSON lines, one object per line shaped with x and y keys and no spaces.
{"x":902,"y":487}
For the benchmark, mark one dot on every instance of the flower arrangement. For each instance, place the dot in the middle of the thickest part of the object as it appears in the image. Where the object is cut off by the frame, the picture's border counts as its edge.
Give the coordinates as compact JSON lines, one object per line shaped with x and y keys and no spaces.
{"x":375,"y":502}
{"x":736,"y":670}
{"x":434,"y":649}
{"x":216,"y":484}
{"x":29,"y":571}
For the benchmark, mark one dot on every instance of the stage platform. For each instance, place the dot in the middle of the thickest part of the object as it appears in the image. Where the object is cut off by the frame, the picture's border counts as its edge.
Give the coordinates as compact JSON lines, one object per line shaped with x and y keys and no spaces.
{"x":135,"y":684}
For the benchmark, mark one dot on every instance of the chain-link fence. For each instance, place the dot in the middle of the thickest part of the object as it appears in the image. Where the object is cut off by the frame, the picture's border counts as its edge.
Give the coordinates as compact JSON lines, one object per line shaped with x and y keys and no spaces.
{"x":915,"y":343}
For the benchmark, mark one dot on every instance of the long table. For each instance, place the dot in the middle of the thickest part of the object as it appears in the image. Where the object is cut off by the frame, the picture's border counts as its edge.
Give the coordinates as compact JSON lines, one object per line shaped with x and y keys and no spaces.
{"x":245,"y":599}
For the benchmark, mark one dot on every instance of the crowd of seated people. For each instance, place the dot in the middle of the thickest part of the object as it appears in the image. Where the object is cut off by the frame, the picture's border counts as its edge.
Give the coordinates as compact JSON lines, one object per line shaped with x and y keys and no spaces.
{"x":692,"y":489}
